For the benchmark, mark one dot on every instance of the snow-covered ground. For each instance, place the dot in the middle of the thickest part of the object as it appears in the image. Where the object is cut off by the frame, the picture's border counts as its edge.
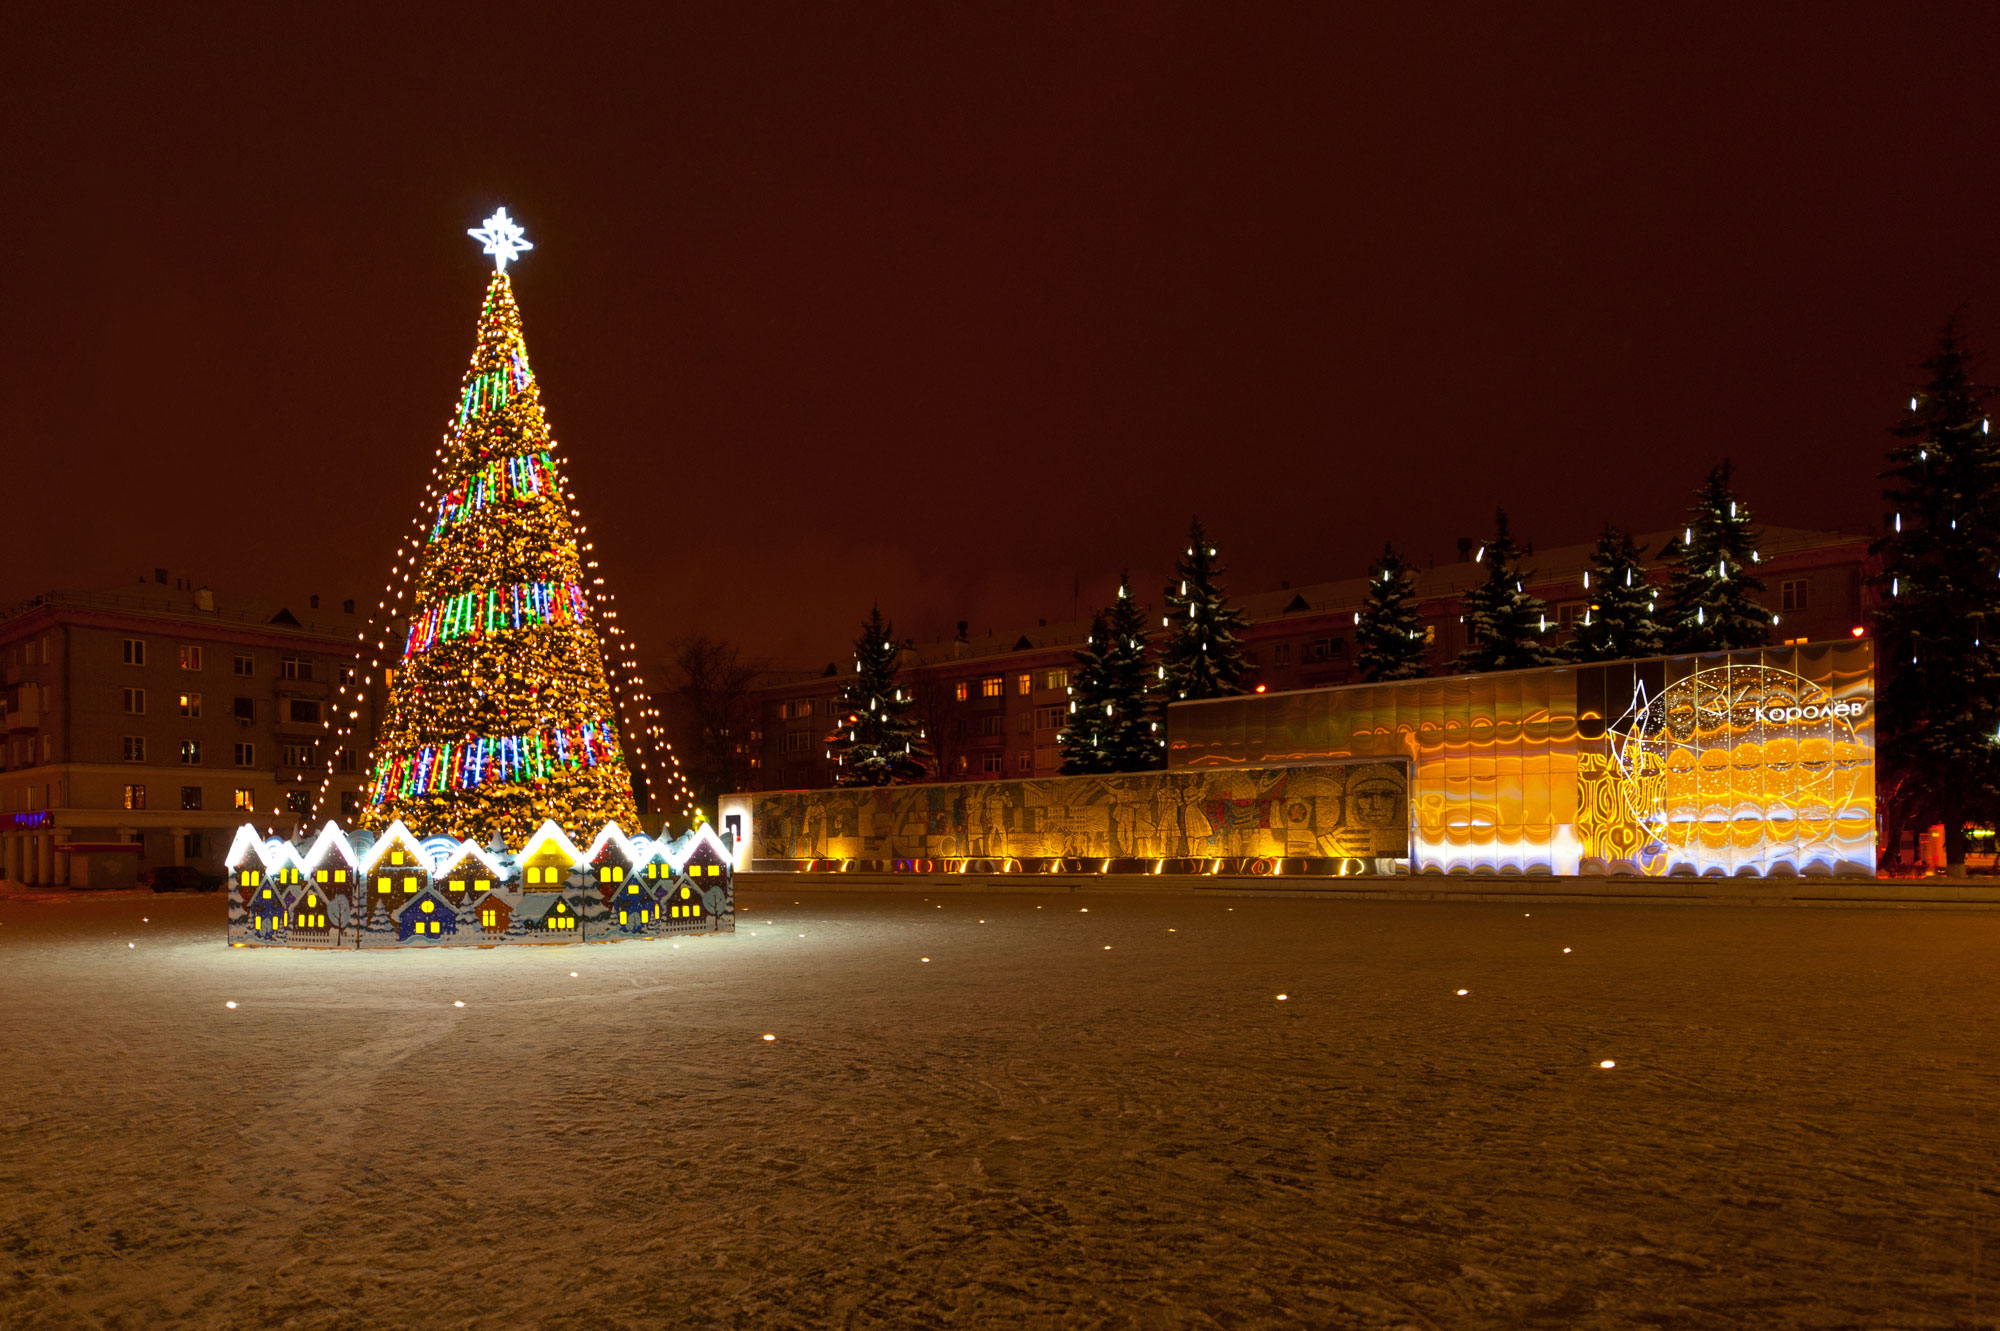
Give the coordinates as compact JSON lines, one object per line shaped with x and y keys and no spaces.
{"x":1079,"y":1111}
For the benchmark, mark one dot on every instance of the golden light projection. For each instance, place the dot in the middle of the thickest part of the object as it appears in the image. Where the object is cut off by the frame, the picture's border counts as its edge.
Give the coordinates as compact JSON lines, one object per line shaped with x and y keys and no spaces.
{"x":1758,"y":762}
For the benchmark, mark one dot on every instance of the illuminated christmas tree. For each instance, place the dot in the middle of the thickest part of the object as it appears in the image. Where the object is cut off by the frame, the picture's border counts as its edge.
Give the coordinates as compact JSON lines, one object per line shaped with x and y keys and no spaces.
{"x":1388,"y":629}
{"x":501,"y":711}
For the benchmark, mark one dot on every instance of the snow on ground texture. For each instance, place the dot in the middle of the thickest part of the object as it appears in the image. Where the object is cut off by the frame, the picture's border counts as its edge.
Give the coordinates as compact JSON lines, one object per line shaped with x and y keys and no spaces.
{"x":1027,"y":1130}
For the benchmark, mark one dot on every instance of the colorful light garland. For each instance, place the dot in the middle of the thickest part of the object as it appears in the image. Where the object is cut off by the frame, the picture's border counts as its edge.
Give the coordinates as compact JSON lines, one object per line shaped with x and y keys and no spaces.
{"x":495,"y":610}
{"x":517,"y":479}
{"x":476,"y":761}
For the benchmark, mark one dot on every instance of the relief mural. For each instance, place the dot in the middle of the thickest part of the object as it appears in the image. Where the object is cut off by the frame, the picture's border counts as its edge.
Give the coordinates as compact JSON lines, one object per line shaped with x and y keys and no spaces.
{"x":1320,"y":812}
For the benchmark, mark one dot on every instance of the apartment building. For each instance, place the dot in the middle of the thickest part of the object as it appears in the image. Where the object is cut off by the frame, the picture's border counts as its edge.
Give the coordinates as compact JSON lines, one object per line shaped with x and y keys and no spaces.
{"x":992,"y":704}
{"x":145,"y":723}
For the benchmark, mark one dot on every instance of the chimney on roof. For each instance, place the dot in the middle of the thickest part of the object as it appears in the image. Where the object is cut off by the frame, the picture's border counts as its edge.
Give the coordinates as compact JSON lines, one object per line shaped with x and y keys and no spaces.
{"x":959,"y":646}
{"x":1465,"y":549}
{"x":1284,"y":584}
{"x":160,"y":576}
{"x":204,"y":599}
{"x":312,"y":602}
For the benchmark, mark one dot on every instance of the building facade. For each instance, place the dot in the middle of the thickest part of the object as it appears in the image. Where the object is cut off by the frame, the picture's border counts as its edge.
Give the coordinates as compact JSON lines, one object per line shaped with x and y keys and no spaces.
{"x":145,"y":724}
{"x":992,"y":705}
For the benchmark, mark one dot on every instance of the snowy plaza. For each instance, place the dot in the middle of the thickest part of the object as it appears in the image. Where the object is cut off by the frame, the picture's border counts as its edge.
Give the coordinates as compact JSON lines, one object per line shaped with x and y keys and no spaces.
{"x":1039,"y":1109}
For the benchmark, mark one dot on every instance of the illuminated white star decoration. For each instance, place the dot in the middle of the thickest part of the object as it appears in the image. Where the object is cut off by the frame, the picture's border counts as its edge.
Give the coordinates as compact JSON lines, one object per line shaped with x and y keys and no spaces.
{"x":503,"y":238}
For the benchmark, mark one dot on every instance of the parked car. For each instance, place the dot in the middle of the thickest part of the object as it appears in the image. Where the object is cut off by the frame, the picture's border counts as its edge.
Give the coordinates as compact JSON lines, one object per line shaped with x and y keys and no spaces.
{"x":180,"y":878}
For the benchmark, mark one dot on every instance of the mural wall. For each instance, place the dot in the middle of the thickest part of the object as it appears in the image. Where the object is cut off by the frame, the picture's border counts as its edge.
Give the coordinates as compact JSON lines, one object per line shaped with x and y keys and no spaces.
{"x":1323,"y":812}
{"x":1758,"y":762}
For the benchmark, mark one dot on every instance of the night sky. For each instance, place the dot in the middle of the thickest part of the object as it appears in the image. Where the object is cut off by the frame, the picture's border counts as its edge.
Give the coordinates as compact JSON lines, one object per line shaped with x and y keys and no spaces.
{"x":961,"y":308}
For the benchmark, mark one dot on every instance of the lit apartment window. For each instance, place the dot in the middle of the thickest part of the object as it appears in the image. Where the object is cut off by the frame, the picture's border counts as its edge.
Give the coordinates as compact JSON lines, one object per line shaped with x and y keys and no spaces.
{"x":992,"y":686}
{"x":1055,"y":679}
{"x":960,"y":690}
{"x":246,"y":755}
{"x":190,"y":657}
{"x":296,"y":667}
{"x":245,"y":799}
{"x":135,"y":748}
{"x":191,"y":751}
{"x":993,"y":763}
{"x":1792,"y":594}
{"x":135,"y":797}
{"x":190,"y":797}
{"x":135,"y":702}
{"x":245,"y":664}
{"x":135,"y":651}
{"x":1022,"y":683}
{"x":304,"y":711}
{"x":191,"y":704}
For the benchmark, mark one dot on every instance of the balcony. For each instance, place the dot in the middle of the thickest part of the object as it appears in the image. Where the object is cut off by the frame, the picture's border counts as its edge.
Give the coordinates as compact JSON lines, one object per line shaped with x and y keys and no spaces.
{"x":25,"y":712}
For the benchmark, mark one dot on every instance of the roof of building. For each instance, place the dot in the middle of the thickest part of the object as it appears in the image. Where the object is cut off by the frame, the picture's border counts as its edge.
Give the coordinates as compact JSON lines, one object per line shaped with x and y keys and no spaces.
{"x":183,"y":602}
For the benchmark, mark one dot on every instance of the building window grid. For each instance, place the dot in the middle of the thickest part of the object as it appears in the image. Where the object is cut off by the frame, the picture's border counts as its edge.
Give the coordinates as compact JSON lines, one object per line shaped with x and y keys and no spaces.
{"x":1792,"y":594}
{"x":135,"y":796}
{"x":191,"y":752}
{"x":191,"y":705}
{"x":190,"y":656}
{"x":135,"y":651}
{"x":244,"y":664}
{"x":135,"y":748}
{"x":135,"y":702}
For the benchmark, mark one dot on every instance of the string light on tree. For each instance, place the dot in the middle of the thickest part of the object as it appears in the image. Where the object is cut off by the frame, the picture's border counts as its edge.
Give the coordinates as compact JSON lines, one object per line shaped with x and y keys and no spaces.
{"x":511,"y":687}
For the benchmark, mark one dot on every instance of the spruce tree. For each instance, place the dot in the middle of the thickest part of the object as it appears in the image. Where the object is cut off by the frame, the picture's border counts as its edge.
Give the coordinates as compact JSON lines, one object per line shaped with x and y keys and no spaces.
{"x":1713,"y":591}
{"x":1201,"y":655}
{"x":1388,"y":632}
{"x":1082,"y":739}
{"x":502,"y":708}
{"x":1131,"y":728}
{"x":877,"y":740}
{"x":1619,"y":624}
{"x":1939,"y":599}
{"x":1504,"y":625}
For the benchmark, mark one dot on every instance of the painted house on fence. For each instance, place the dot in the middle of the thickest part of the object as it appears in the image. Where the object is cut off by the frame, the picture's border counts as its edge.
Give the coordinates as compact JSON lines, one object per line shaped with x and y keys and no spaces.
{"x":356,"y":890}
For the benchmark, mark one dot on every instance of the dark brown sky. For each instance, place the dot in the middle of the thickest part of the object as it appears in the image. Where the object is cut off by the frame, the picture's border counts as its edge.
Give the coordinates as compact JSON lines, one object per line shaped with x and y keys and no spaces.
{"x":950,"y":305}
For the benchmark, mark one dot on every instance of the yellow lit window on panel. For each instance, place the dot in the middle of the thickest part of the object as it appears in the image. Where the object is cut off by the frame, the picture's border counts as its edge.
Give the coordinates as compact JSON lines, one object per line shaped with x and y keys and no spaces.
{"x":267,"y":892}
{"x":340,"y":875}
{"x":458,"y":884}
{"x":622,"y":918}
{"x":311,"y":899}
{"x":395,"y":857}
{"x":684,"y":892}
{"x":409,"y":884}
{"x":429,"y":906}
{"x":483,"y":885}
{"x":321,"y":875}
{"x":381,"y":885}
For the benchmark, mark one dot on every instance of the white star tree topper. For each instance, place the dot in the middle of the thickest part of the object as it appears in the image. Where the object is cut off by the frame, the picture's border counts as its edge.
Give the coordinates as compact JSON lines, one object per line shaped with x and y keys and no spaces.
{"x":503,"y":237}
